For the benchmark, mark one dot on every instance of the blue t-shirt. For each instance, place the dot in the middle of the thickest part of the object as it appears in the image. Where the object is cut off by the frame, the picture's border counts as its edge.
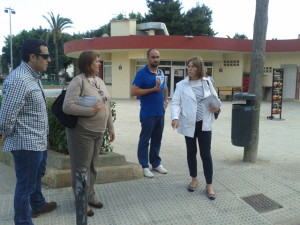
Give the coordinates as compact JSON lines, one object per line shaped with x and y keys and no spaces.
{"x":152,"y":104}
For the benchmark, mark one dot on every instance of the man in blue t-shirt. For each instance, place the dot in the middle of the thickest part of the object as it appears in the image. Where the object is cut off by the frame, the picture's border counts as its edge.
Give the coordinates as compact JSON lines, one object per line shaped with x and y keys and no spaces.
{"x":154,"y":100}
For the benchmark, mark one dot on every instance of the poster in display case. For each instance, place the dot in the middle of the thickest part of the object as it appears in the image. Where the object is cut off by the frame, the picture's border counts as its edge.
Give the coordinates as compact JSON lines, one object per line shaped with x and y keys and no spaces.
{"x":277,"y":90}
{"x":178,"y":72}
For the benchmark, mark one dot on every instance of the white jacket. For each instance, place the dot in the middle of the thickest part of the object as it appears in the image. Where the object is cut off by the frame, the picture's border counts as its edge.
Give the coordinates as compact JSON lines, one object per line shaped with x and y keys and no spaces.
{"x":184,"y":107}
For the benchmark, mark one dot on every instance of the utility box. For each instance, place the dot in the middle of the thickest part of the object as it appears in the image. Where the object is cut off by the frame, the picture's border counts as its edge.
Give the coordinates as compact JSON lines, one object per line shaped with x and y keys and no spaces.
{"x":243,"y":120}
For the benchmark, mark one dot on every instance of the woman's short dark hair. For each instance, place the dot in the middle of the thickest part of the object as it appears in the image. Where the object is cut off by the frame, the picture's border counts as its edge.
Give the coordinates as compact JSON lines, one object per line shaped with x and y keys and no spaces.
{"x":31,"y":46}
{"x":85,"y":60}
{"x":199,"y":64}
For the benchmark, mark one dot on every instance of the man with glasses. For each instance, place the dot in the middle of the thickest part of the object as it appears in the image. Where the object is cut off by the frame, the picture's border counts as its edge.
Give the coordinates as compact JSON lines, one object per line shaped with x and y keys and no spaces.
{"x":23,"y":128}
{"x":154,"y":100}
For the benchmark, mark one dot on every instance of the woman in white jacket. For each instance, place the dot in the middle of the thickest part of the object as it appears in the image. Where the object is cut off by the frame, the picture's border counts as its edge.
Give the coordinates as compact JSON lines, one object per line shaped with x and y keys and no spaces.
{"x":193,"y":118}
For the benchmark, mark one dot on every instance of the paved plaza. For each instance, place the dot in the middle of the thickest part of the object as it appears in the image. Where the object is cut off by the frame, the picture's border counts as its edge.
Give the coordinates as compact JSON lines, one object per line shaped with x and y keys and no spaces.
{"x":164,"y":200}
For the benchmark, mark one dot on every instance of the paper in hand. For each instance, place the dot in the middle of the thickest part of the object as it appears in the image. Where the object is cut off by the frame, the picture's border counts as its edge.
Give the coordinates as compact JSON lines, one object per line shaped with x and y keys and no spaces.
{"x":211,"y":100}
{"x":162,"y":80}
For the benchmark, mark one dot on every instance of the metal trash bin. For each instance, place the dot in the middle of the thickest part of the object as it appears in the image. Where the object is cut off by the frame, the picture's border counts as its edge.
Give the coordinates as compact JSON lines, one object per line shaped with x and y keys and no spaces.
{"x":242,"y":120}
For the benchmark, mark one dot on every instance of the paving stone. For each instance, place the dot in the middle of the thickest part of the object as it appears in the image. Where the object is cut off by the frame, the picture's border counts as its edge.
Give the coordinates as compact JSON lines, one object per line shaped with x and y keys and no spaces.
{"x":164,"y":200}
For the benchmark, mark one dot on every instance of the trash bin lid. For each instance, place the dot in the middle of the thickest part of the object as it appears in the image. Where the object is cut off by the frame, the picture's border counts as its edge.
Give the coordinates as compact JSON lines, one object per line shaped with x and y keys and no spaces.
{"x":244,"y":96}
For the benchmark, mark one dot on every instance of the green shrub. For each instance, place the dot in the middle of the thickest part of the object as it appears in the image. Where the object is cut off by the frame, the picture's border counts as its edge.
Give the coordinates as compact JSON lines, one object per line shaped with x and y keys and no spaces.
{"x":50,"y":83}
{"x":57,"y":133}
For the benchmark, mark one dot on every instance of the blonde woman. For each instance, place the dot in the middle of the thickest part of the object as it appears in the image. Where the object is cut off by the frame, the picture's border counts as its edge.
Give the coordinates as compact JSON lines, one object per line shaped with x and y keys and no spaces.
{"x":192,"y":118}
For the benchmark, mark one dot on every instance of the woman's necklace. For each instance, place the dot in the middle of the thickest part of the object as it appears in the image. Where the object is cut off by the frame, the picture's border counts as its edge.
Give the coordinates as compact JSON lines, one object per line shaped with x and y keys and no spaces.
{"x":94,"y":82}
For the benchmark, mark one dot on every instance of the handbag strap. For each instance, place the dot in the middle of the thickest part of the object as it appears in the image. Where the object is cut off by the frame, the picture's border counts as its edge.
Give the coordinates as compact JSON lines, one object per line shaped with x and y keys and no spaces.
{"x":82,"y":86}
{"x":211,"y":92}
{"x":209,"y":87}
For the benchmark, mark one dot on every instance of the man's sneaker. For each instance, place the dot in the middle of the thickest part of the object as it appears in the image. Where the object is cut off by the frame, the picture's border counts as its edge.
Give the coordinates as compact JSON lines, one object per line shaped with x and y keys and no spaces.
{"x":161,"y":169}
{"x":147,"y":173}
{"x":48,"y":208}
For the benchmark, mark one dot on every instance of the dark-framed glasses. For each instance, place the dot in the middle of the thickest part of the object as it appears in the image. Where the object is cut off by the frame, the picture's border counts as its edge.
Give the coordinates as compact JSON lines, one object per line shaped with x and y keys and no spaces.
{"x":45,"y":56}
{"x":104,"y":98}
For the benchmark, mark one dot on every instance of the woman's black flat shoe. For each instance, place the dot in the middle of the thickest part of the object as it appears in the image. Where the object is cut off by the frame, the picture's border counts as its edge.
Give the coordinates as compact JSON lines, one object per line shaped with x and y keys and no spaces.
{"x":97,"y":205}
{"x":191,"y":188}
{"x":89,"y":212}
{"x":211,"y":196}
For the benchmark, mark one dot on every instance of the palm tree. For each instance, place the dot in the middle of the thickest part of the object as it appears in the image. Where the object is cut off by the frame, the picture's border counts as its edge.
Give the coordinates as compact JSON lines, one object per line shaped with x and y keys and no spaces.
{"x":57,"y":25}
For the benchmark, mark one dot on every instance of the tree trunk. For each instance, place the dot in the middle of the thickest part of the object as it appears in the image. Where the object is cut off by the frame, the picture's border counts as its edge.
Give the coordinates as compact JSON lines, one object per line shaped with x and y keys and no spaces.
{"x":56,"y":62}
{"x":256,"y":72}
{"x":76,"y":70}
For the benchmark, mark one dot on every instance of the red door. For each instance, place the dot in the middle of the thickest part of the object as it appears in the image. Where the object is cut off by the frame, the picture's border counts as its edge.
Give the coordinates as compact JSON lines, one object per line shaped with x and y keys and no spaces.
{"x":246,"y":84}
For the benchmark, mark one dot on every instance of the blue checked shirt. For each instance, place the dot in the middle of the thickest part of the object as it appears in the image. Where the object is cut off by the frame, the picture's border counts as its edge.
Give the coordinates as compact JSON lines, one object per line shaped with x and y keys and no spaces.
{"x":23,"y":113}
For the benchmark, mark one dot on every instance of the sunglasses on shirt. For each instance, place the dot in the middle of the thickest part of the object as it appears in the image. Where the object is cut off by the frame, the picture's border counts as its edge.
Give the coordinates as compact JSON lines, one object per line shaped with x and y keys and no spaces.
{"x":104,"y":98}
{"x":44,"y":56}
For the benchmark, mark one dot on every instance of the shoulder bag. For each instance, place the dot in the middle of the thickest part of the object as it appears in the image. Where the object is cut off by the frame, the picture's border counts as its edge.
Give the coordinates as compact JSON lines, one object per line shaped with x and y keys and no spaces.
{"x":67,"y":120}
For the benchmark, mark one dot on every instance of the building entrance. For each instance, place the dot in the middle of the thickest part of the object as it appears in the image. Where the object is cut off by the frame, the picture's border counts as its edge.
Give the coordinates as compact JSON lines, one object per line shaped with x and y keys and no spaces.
{"x":178,"y":74}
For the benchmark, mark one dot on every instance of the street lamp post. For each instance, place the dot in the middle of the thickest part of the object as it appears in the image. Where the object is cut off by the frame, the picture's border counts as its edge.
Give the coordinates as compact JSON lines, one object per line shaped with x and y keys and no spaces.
{"x":10,"y":11}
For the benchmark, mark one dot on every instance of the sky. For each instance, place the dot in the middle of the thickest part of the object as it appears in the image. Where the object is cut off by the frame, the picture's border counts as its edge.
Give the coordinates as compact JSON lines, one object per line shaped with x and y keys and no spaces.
{"x":229,"y":17}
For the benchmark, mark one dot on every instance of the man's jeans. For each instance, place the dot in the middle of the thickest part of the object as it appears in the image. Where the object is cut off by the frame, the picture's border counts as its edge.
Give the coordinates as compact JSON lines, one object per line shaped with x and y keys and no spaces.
{"x":152,"y":128}
{"x":30,"y":167}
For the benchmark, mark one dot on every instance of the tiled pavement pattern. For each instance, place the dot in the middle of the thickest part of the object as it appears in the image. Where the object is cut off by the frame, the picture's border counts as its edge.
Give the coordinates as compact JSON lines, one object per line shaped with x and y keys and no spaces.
{"x":163,"y":200}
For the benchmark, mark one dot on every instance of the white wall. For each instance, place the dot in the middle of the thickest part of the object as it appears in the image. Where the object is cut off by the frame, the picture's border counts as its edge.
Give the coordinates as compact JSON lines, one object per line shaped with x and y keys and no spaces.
{"x":123,"y":27}
{"x":276,"y":60}
{"x":120,"y":77}
{"x":231,"y":75}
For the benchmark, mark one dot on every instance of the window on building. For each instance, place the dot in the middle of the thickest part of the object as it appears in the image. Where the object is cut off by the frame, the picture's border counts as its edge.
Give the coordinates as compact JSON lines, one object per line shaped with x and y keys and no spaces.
{"x":209,"y":71}
{"x":208,"y":68}
{"x":231,"y":62}
{"x":141,"y":63}
{"x":178,"y":63}
{"x":267,"y":69}
{"x":107,"y":73}
{"x":208,"y":64}
{"x":165,"y":63}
